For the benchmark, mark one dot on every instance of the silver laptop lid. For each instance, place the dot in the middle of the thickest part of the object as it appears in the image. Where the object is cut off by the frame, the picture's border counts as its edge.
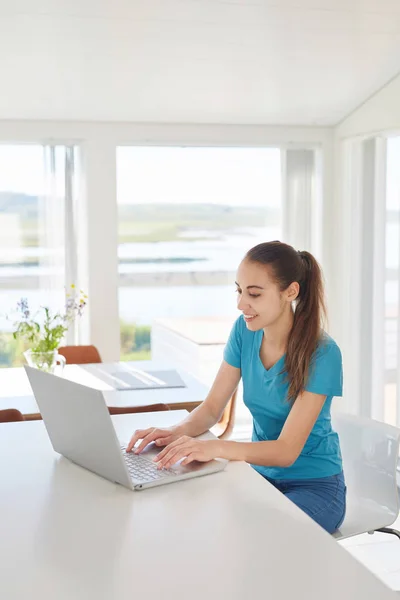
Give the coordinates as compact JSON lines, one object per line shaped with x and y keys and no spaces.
{"x":79,"y":425}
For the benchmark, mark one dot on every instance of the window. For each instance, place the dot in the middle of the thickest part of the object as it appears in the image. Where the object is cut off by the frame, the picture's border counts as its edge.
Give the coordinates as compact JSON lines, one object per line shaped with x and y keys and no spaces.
{"x":186,"y":218}
{"x":36,"y":248}
{"x":374,"y":278}
{"x":392,"y":282}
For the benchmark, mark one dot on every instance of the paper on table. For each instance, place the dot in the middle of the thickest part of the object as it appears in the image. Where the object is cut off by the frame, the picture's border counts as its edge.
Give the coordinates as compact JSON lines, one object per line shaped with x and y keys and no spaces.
{"x":124,"y":377}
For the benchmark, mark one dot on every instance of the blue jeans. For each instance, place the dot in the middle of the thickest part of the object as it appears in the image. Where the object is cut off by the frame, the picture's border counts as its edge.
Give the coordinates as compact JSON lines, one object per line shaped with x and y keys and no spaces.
{"x":323,"y":499}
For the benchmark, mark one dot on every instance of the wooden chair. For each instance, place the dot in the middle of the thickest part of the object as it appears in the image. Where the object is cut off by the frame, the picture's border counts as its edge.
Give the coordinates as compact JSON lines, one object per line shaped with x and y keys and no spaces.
{"x":224,"y":427}
{"x":117,"y":410}
{"x":80,"y":355}
{"x":11,"y":415}
{"x":113,"y":410}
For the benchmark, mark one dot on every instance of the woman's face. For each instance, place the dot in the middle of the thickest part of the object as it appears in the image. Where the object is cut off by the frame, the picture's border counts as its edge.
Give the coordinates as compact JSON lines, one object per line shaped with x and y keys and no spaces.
{"x":259,"y":297}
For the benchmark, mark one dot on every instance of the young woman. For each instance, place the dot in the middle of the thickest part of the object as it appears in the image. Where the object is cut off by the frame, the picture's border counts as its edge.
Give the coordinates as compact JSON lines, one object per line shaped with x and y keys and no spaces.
{"x":291,"y":370}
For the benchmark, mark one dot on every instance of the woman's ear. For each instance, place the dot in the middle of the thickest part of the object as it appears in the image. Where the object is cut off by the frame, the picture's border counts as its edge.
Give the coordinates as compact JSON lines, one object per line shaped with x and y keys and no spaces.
{"x":292,"y":291}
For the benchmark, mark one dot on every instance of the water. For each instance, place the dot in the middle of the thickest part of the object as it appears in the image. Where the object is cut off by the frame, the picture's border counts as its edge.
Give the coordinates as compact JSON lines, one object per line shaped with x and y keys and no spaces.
{"x":143,"y":304}
{"x":222,"y":254}
{"x":146,"y":303}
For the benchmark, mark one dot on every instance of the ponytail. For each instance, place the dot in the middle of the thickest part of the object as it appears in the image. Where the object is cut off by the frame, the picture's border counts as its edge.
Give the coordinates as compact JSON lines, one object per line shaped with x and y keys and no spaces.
{"x":289,"y":266}
{"x":309,"y":316}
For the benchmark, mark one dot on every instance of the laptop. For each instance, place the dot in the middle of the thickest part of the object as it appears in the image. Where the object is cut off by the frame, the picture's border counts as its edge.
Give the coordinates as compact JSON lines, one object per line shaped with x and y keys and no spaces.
{"x":80,"y":428}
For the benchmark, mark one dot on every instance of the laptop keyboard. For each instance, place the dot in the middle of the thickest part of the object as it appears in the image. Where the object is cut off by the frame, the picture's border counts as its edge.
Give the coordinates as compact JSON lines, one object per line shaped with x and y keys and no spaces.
{"x":143,"y":469}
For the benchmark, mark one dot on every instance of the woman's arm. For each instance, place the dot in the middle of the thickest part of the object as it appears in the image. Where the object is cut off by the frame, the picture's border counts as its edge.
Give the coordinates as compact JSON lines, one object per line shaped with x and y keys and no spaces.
{"x":210,"y":410}
{"x":282,"y":452}
{"x":200,"y":420}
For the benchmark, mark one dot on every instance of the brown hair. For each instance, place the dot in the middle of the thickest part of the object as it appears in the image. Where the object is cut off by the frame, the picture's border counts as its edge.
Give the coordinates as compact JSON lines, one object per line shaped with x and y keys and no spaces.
{"x":288,"y":265}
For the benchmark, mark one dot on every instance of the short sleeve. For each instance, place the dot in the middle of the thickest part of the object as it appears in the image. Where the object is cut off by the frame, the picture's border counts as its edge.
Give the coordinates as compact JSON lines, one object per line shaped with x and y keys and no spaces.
{"x":326,"y":372}
{"x":233,"y":348}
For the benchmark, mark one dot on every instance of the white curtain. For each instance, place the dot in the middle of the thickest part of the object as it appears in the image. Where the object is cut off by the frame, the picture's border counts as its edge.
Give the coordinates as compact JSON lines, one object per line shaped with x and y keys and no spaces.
{"x":58,"y":227}
{"x":372,"y":203}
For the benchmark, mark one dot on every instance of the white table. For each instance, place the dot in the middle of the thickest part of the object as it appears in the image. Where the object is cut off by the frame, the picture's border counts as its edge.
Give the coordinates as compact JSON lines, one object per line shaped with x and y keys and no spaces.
{"x":16,"y":392}
{"x":196,"y":344}
{"x":66,"y":533}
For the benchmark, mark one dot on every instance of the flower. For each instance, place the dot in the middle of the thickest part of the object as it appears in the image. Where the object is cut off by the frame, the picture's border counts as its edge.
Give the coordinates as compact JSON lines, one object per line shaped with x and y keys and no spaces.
{"x":45,"y":334}
{"x":22,"y":306}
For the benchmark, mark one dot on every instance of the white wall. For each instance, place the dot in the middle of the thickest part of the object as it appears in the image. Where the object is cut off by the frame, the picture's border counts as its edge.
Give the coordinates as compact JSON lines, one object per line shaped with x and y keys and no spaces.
{"x":379,"y":113}
{"x":155,"y":133}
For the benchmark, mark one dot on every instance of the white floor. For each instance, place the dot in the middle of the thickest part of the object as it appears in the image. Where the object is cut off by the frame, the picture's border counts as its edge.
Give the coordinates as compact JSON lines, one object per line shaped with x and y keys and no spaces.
{"x":380,"y":553}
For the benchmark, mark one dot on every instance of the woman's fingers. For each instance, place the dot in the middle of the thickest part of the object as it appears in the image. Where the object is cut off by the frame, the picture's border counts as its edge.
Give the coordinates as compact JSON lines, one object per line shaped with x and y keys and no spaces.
{"x":178,"y":442}
{"x":173,"y":457}
{"x":151,"y":437}
{"x":165,"y":441}
{"x":175,"y":453}
{"x":190,"y":458}
{"x":147,"y":436}
{"x":138,"y":435}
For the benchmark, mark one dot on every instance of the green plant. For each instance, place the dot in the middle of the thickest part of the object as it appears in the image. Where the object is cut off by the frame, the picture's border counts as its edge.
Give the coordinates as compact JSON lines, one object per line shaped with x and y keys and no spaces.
{"x":135,"y":341}
{"x":11,"y":350}
{"x":138,"y":355}
{"x":45,"y":335}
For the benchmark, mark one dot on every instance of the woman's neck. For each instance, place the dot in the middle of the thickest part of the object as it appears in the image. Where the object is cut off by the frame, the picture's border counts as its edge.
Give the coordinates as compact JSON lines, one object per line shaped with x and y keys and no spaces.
{"x":276,"y":336}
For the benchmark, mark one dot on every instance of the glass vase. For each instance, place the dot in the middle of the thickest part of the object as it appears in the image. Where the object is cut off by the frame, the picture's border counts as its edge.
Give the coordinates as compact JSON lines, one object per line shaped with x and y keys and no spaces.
{"x":45,"y":361}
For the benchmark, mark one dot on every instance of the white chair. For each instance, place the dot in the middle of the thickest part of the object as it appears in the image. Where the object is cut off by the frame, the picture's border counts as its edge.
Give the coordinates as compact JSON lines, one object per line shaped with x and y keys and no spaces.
{"x":370,"y":451}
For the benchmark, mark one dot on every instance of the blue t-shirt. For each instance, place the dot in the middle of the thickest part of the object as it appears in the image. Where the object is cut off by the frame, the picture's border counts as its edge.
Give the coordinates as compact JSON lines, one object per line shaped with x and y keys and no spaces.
{"x":265,"y":394}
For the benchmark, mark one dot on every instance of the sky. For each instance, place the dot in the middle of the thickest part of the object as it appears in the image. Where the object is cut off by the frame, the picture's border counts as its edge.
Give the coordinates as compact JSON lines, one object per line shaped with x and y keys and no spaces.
{"x":21,"y":169}
{"x":232,"y":176}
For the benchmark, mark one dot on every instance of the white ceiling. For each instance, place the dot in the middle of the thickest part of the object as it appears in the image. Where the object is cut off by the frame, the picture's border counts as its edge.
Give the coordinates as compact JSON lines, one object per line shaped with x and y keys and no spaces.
{"x":308,"y":62}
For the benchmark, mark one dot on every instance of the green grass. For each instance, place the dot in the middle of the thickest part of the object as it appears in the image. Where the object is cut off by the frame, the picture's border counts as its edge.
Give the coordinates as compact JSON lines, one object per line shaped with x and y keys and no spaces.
{"x":165,"y":222}
{"x":149,"y":222}
{"x":11,"y":351}
{"x":139,"y":355}
{"x":135,"y":345}
{"x":134,"y":232}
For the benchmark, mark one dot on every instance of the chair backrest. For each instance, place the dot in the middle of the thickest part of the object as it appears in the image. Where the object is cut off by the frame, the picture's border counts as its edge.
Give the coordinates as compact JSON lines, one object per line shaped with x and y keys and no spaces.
{"x":226,"y":423}
{"x":80,"y":355}
{"x":11,"y":415}
{"x":123,"y":410}
{"x":370,"y":452}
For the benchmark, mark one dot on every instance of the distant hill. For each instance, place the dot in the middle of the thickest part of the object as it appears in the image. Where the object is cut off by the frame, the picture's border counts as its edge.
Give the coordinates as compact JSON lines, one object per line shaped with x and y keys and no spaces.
{"x":23,"y":204}
{"x":171,"y":222}
{"x":217,"y":214}
{"x":27,"y":206}
{"x":155,"y":222}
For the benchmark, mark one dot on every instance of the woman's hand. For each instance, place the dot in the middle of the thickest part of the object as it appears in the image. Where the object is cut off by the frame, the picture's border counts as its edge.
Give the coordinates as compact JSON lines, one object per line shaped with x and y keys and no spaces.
{"x":161,"y":437}
{"x":188,"y":448}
